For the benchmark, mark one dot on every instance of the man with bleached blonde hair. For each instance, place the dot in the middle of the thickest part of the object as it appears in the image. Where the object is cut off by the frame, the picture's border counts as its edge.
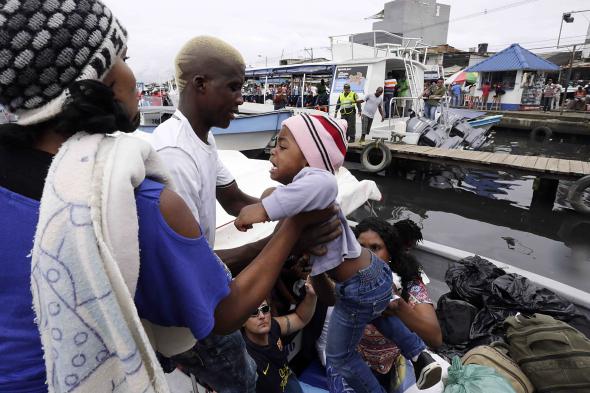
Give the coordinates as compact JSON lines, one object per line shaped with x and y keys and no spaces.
{"x":210,"y":75}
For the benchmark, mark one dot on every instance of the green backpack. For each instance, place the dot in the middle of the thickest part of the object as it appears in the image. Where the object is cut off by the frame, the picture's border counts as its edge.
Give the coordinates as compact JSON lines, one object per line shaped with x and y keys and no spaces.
{"x":554,"y":355}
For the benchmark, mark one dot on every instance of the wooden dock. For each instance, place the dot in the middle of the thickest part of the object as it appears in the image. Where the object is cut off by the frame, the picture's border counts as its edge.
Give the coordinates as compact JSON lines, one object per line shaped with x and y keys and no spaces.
{"x":539,"y":166}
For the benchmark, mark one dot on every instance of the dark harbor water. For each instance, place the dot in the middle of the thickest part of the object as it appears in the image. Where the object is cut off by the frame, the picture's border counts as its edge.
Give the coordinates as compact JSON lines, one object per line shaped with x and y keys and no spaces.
{"x":489,"y":212}
{"x":573,"y":147}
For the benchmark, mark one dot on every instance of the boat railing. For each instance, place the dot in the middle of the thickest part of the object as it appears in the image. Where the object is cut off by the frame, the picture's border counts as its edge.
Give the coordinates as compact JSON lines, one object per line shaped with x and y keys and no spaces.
{"x":390,"y":45}
{"x":407,"y":103}
{"x":445,"y":104}
{"x":416,"y":104}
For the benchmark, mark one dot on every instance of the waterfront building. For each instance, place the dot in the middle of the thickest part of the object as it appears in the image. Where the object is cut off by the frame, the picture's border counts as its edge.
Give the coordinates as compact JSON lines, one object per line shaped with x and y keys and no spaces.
{"x":521,"y":73}
{"x":425,"y":19}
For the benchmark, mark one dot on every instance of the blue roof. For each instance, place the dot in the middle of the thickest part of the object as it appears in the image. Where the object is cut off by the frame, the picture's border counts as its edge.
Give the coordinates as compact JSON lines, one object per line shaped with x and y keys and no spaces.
{"x":512,"y":58}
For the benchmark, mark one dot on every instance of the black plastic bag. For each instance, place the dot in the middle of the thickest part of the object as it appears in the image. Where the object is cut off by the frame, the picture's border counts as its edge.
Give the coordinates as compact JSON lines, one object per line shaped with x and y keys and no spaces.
{"x":470,"y":279}
{"x":490,"y":322}
{"x":455,"y":318}
{"x":513,"y":291}
{"x":511,"y":294}
{"x":496,"y":295}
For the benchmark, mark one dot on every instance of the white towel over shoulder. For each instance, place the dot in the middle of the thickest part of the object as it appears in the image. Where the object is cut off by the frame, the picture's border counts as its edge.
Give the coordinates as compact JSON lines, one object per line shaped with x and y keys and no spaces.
{"x":85,"y":267}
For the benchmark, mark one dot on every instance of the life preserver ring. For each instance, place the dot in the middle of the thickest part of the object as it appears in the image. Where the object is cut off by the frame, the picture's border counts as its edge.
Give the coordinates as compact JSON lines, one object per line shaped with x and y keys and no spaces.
{"x":576,"y":193}
{"x":385,"y":157}
{"x":541,"y":133}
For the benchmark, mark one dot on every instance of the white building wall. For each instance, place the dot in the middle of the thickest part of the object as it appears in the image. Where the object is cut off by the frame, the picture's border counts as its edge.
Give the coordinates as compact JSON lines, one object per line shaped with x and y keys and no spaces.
{"x":435,"y":59}
{"x":426,"y":19}
{"x":512,"y":97}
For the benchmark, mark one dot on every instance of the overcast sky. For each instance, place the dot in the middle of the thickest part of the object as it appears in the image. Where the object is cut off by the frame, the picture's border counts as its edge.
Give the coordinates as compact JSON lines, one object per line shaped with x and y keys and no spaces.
{"x":271,"y":29}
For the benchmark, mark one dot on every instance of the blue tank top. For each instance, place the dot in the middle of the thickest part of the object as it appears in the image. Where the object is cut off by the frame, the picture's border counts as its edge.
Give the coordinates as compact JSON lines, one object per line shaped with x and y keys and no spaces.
{"x":181,"y":281}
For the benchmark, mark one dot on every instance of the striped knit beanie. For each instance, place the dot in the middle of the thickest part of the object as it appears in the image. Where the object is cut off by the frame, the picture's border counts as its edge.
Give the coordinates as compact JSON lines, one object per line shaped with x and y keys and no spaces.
{"x":322,"y":139}
{"x":47,"y":45}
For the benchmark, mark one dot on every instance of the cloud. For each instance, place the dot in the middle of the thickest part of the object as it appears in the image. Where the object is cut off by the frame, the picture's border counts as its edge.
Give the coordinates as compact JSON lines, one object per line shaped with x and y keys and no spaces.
{"x":270,"y":29}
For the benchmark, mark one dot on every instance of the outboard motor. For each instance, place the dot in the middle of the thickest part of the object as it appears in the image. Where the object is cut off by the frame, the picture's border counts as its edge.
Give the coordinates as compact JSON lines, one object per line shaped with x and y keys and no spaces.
{"x":419,"y":124}
{"x":433,"y":137}
{"x":452,"y":142}
{"x":461,"y":129}
{"x":476,"y":138}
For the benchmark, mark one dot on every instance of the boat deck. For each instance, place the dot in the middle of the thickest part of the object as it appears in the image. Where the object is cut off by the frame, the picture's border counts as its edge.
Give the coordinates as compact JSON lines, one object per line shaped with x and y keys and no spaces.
{"x":535,"y":165}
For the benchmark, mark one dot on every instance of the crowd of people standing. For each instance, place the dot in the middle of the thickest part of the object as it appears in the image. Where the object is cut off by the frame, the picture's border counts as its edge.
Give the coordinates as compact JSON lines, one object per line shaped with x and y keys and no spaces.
{"x":315,"y":95}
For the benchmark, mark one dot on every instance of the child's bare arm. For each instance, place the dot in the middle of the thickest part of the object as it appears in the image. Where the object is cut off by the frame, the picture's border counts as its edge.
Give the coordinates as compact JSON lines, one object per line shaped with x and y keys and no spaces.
{"x":251,"y":214}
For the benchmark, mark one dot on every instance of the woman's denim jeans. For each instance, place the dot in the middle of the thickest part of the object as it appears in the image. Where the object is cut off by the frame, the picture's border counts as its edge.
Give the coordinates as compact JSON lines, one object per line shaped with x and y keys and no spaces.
{"x":361,"y":300}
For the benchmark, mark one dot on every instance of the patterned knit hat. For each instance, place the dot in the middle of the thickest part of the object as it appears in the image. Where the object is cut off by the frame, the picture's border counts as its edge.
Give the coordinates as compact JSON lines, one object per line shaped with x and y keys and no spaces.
{"x":46,"y":45}
{"x":322,"y":139}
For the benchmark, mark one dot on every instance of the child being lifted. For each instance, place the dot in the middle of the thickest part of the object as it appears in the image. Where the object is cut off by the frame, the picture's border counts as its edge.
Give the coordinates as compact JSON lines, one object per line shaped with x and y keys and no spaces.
{"x":310,"y":149}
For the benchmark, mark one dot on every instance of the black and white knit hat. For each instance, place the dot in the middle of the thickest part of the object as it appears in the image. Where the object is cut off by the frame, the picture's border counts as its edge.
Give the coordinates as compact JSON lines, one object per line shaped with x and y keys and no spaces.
{"x":46,"y":45}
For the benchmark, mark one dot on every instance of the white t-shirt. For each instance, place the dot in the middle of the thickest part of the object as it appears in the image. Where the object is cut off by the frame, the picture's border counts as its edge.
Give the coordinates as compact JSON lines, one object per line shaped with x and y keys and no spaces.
{"x":371,"y":104}
{"x":195,"y":168}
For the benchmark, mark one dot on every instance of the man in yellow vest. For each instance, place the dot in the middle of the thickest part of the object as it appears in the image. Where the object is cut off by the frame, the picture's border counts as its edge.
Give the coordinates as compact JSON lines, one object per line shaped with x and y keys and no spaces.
{"x":346,"y":103}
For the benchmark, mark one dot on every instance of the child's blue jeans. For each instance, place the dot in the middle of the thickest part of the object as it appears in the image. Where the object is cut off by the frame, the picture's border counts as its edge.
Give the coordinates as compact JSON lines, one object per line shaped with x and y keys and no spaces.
{"x":361,"y":300}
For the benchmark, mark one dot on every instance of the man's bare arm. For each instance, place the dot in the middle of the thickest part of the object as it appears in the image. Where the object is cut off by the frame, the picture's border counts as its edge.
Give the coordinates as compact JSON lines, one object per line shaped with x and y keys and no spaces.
{"x":233,"y":199}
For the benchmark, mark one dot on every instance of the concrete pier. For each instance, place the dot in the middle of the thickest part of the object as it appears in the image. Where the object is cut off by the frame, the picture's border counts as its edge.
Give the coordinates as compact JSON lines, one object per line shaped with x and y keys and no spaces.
{"x":545,"y":167}
{"x":571,"y":123}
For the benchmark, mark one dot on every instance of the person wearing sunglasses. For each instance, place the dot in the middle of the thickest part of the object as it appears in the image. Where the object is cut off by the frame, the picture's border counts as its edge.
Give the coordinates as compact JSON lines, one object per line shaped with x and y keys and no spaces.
{"x":263,"y":333}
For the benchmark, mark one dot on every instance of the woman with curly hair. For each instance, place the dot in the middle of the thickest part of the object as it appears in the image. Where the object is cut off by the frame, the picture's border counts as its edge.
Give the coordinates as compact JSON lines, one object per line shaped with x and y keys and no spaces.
{"x":415,"y":308}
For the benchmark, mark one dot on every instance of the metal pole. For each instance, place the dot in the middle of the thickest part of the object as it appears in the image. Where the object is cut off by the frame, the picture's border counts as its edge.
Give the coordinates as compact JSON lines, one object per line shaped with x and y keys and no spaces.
{"x":571,"y":12}
{"x":374,"y":45}
{"x":569,"y":75}
{"x":332,"y":47}
{"x":302,"y":91}
{"x":560,"y":27}
{"x":264,"y":92}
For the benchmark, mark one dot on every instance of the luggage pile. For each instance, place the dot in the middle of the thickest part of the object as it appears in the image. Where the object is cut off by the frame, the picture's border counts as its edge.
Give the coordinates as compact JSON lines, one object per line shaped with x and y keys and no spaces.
{"x":503,"y":322}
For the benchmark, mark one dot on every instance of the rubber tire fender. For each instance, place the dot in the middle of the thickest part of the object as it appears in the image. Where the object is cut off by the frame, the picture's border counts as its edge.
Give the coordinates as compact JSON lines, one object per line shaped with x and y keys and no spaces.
{"x":545,"y":131}
{"x":386,"y":153}
{"x":576,"y":193}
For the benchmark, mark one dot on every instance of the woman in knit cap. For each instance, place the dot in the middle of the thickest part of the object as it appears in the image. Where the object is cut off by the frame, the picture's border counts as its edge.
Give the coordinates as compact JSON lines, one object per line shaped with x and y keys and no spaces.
{"x":91,"y":199}
{"x":310,"y":149}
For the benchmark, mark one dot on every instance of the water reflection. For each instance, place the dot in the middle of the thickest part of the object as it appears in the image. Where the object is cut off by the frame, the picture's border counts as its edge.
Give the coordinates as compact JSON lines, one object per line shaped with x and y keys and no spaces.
{"x":487,"y":212}
{"x":574,"y":147}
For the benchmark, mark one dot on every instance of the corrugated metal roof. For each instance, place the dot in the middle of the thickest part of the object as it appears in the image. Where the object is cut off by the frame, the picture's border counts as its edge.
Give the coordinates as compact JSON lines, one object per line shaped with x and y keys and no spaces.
{"x":514,"y":57}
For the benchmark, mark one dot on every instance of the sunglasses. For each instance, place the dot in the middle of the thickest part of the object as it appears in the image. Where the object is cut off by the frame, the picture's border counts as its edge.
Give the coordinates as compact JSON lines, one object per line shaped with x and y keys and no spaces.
{"x":264,"y":309}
